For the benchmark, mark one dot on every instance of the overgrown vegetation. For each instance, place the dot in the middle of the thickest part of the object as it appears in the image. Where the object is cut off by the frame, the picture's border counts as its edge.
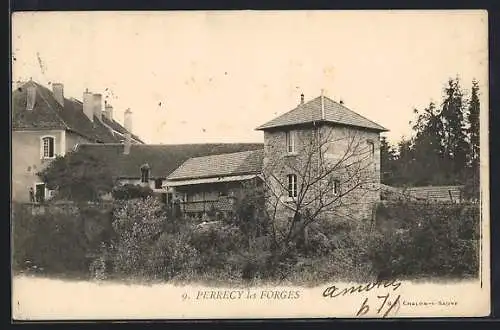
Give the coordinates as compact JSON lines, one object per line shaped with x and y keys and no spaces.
{"x":137,"y":239}
{"x":78,"y":177}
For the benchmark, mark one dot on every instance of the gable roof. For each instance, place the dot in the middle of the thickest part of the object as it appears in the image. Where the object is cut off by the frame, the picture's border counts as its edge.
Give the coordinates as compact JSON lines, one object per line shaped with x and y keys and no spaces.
{"x":237,"y":163}
{"x":162,"y":159}
{"x":119,"y":128}
{"x":49,"y":114}
{"x":310,"y":112}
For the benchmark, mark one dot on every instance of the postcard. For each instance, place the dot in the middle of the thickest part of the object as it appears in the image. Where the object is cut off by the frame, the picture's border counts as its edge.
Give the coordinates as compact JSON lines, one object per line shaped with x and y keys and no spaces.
{"x":250,"y":165}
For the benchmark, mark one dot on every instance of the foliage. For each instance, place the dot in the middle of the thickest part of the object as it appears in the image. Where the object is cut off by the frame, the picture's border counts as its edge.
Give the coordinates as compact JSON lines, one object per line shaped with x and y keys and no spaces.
{"x":131,"y":191}
{"x":78,"y":177}
{"x":416,"y":239}
{"x":137,"y":223}
{"x":443,"y":149}
{"x":51,"y":242}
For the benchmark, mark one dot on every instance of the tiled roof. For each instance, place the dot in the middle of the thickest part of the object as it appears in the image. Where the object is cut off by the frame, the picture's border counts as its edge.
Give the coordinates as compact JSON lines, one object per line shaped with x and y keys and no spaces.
{"x":49,"y":114}
{"x":311,"y":112}
{"x":220,"y":165}
{"x":162,"y":159}
{"x":119,"y":128}
{"x":439,"y":193}
{"x":429,"y":193}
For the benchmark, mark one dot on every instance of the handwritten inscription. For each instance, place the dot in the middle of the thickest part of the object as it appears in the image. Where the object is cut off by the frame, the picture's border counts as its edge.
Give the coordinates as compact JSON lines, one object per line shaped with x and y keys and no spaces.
{"x":384,"y":306}
{"x":334,"y":291}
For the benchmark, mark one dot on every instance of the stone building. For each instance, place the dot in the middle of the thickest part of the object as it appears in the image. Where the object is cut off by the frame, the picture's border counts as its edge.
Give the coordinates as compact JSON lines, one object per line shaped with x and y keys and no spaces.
{"x":319,"y":157}
{"x":46,"y":124}
{"x":322,"y":158}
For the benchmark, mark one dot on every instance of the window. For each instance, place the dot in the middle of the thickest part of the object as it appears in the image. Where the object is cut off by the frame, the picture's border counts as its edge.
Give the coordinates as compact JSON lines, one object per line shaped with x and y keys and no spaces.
{"x":48,"y":147}
{"x":336,"y":187}
{"x":371,"y":146}
{"x":40,"y":192}
{"x":158,"y":183}
{"x":145,"y":173}
{"x":292,"y":185}
{"x":290,"y":142}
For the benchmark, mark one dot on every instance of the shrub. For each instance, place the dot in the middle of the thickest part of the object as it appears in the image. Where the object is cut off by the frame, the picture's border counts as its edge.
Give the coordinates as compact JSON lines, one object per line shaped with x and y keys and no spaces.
{"x":427,"y":240}
{"x":137,"y":223}
{"x":53,"y":242}
{"x":131,"y":191}
{"x":172,"y":256}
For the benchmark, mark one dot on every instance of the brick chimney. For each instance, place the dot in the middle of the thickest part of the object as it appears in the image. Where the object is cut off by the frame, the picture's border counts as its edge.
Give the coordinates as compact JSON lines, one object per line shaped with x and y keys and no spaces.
{"x":88,"y":105}
{"x":108,"y":110}
{"x":30,"y":97}
{"x":128,"y":136}
{"x":127,"y":120}
{"x":98,"y":106}
{"x":58,"y":91}
{"x":302,"y":98}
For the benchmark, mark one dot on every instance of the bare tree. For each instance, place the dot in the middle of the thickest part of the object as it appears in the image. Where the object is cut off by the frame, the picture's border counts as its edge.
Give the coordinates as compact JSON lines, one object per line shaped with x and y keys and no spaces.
{"x":327,"y":175}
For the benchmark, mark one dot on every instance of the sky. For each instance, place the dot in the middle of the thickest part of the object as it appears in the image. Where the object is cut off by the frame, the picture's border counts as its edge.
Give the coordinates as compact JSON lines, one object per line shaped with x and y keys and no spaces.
{"x":196,"y":77}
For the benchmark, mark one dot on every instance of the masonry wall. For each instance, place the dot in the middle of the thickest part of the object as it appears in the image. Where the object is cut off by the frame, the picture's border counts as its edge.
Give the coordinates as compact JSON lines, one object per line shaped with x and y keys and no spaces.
{"x":27,"y":161}
{"x":316,"y":149}
{"x":73,"y":139}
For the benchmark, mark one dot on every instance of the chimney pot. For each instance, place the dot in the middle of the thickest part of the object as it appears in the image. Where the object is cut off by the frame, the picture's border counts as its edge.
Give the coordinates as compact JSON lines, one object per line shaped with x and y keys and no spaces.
{"x":302,"y":98}
{"x":58,"y":91}
{"x":108,"y":110}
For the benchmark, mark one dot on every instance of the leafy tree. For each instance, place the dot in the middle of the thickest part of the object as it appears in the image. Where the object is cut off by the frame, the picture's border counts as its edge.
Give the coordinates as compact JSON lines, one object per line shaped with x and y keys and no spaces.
{"x":78,"y":177}
{"x":453,"y":120}
{"x":472,"y":183}
{"x":387,"y":161}
{"x":428,"y":147}
{"x":131,"y":191}
{"x":473,"y":119}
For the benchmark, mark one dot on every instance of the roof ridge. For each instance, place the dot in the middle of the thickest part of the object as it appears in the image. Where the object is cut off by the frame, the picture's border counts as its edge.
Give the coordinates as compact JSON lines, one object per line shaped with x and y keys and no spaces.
{"x":346,"y":108}
{"x":226,"y":153}
{"x":50,"y":106}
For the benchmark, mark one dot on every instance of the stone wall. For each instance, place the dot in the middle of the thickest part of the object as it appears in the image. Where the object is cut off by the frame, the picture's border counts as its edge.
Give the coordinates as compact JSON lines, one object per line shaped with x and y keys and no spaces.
{"x":344,"y":153}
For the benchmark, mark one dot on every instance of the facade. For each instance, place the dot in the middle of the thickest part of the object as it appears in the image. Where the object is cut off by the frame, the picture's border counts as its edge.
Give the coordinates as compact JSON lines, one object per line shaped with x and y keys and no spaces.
{"x":324,"y":159}
{"x":320,"y":157}
{"x":46,"y":124}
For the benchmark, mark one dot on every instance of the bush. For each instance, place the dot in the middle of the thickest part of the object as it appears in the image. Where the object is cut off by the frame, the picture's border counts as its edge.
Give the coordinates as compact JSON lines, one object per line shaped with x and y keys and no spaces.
{"x":138,"y":224}
{"x":427,"y":240}
{"x":131,"y":191}
{"x":172,"y":256}
{"x":52,"y":242}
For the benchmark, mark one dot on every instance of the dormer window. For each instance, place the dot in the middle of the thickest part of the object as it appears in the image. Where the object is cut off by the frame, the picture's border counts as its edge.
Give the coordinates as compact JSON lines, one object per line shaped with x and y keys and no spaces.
{"x":47,"y":147}
{"x":145,"y":173}
{"x":290,"y":142}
